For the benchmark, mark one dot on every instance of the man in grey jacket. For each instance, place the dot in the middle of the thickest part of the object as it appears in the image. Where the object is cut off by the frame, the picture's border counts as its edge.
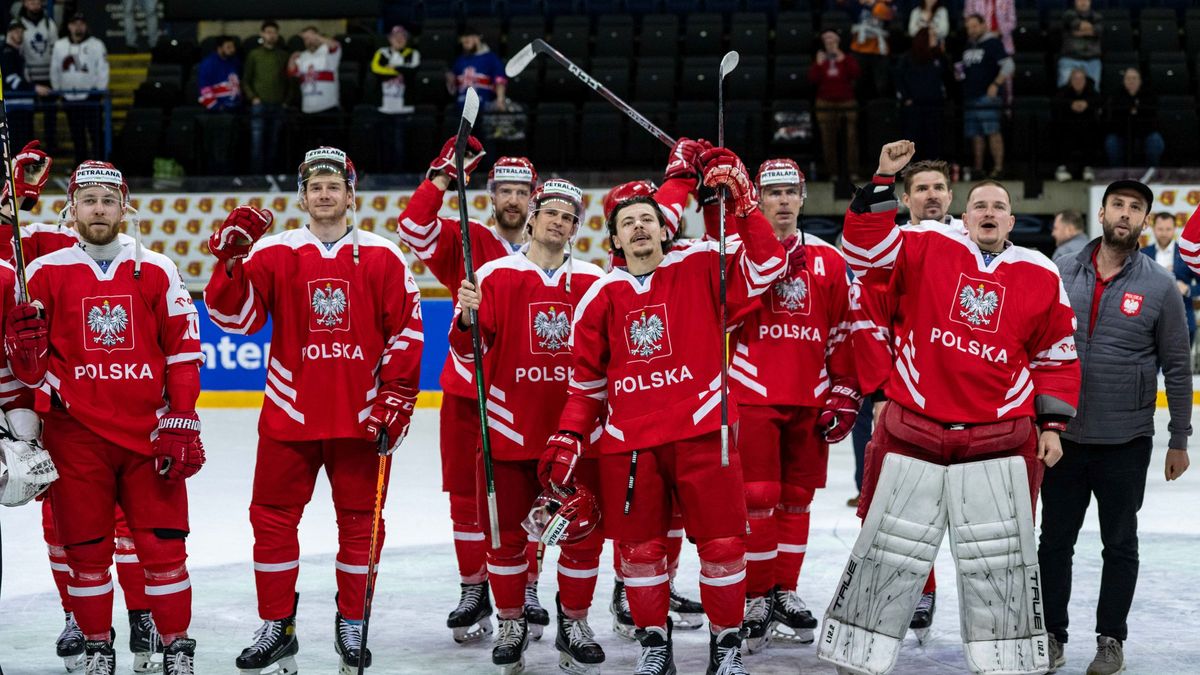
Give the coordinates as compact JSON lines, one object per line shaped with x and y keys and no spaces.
{"x":1130,"y":323}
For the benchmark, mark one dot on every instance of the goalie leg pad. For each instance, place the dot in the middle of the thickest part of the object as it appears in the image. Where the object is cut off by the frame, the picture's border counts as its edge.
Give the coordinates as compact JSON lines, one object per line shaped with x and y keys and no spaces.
{"x":999,"y":588}
{"x":870,"y":612}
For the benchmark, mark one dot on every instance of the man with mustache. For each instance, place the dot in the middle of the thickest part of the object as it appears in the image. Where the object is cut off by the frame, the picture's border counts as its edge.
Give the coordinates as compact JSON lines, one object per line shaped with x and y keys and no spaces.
{"x":1129,"y":323}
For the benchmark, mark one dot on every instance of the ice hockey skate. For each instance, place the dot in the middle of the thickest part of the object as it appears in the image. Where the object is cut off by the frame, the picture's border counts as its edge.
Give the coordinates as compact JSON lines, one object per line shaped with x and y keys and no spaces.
{"x":791,"y":623}
{"x":757,"y":623}
{"x":657,"y":657}
{"x":578,"y":651}
{"x":536,"y":615}
{"x":622,"y":623}
{"x":179,"y":657}
{"x":100,"y":657}
{"x":922,"y":619}
{"x":69,"y":645}
{"x":725,"y":653}
{"x":687,"y":613}
{"x":144,"y":642}
{"x":274,"y":649}
{"x":471,"y":620}
{"x":347,"y":639}
{"x":512,"y":639}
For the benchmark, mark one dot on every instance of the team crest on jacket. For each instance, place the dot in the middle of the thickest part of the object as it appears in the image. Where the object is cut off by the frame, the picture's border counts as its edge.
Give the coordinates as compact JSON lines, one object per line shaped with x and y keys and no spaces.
{"x":329,"y":300}
{"x":551,"y":323}
{"x":107,"y":321}
{"x":1131,"y":304}
{"x":646,"y":333}
{"x":790,"y":296}
{"x":977,"y":303}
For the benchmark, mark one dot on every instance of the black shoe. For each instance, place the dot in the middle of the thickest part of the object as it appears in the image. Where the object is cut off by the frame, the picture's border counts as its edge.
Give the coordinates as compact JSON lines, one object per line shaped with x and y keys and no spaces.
{"x":576,"y":644}
{"x":471,"y":621}
{"x":512,"y":638}
{"x":725,"y":653}
{"x":144,"y":641}
{"x":757,"y":622}
{"x":179,"y":657}
{"x":622,"y":623}
{"x":535,"y":615}
{"x":657,"y":657}
{"x":792,"y":623}
{"x":1058,"y":655}
{"x":688,"y":614}
{"x":347,"y":640}
{"x":69,"y":645}
{"x":275,"y":644}
{"x":99,"y":657}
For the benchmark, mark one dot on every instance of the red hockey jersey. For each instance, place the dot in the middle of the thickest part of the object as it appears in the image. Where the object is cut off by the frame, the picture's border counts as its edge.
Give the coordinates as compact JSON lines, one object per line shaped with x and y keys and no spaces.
{"x":652,"y":348}
{"x":525,"y":322}
{"x":975,"y":342}
{"x":1189,"y":242}
{"x":339,"y":328}
{"x":783,"y":351}
{"x":112,"y":338}
{"x":11,"y":389}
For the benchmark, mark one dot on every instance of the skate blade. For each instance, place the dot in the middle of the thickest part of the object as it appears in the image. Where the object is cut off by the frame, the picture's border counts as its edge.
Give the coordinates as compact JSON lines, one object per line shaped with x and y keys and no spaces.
{"x":687,"y":621}
{"x":466,"y":634}
{"x":922,"y":635}
{"x":568,"y":664}
{"x":784,"y":635}
{"x":143,"y":662}
{"x":623,"y":630}
{"x":284,"y":666}
{"x":535,"y":631}
{"x":754,"y":645}
{"x":513,"y":668}
{"x":74,"y":662}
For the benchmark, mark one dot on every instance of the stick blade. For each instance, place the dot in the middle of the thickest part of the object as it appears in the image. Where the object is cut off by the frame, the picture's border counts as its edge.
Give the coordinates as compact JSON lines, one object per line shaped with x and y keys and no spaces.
{"x":470,"y":108}
{"x":729,"y":62}
{"x":520,"y":61}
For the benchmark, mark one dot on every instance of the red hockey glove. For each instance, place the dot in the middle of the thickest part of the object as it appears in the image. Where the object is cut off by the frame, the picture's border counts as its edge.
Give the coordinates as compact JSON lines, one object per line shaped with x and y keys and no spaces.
{"x":840,"y":411}
{"x":797,"y":258}
{"x":236,"y":236}
{"x":684,"y":161}
{"x":32,"y":170}
{"x":392,"y":411}
{"x":444,"y":162}
{"x":722,"y":168}
{"x":178,"y":452}
{"x":26,"y":342}
{"x":557,"y":465}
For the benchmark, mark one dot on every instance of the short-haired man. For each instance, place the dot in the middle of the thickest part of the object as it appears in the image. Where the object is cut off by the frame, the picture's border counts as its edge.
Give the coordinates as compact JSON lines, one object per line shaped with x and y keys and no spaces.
{"x":265,"y":86}
{"x":1129,"y":325}
{"x":985,"y":68}
{"x":1069,"y":232}
{"x":991,"y":318}
{"x":1165,"y":251}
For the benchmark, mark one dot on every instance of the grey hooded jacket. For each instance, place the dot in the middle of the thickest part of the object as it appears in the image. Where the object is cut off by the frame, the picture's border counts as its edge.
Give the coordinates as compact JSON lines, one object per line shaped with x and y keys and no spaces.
{"x":1140,"y":328}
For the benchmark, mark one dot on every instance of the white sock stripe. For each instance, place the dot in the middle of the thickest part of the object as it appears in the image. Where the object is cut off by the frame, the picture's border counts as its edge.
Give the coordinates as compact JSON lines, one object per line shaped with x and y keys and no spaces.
{"x":125,"y":558}
{"x":723,"y":581}
{"x":793,"y":548}
{"x":60,"y":567}
{"x":578,"y":574}
{"x":89,"y":591}
{"x":762,"y":555}
{"x":276,"y":567}
{"x":643,"y":582}
{"x":169,"y":588}
{"x":468,"y":536}
{"x":511,"y":570}
{"x":349,"y":569}
{"x":676,"y":534}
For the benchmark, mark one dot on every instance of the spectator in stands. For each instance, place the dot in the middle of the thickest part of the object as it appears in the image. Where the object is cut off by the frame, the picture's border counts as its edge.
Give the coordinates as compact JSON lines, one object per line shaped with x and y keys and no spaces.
{"x":19,"y":107}
{"x":219,"y":79}
{"x":316,"y":67}
{"x":396,"y":62}
{"x":921,"y":88}
{"x":40,"y":34}
{"x":870,"y":44}
{"x":985,"y":68}
{"x":150,"y":12}
{"x":834,"y":73}
{"x":929,"y":14}
{"x":480,"y":69}
{"x":1076,"y":119}
{"x":1133,"y":118}
{"x":79,"y":71}
{"x":1081,"y":43}
{"x":1166,"y":253}
{"x":1069,"y":232}
{"x":999,"y":17}
{"x":266,"y":86}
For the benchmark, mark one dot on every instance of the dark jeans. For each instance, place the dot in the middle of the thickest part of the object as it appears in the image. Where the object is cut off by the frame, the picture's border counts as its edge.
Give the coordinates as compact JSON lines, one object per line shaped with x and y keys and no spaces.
{"x":1116,"y":475}
{"x":860,"y":435}
{"x":266,"y":119}
{"x":84,"y":119}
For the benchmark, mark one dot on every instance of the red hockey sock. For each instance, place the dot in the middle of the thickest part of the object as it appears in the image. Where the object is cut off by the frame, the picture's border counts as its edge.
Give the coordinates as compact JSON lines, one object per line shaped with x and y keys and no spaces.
{"x":506,"y":568}
{"x":930,"y":583}
{"x":723,"y":581}
{"x":354,"y":545}
{"x":168,"y":586}
{"x":616,"y":555}
{"x":470,"y":544}
{"x":761,"y":498}
{"x":130,"y":574}
{"x":59,"y":568}
{"x":578,"y":567}
{"x":792,"y":518}
{"x":276,"y":559}
{"x":647,"y":586}
{"x":91,"y":587}
{"x":674,"y":543}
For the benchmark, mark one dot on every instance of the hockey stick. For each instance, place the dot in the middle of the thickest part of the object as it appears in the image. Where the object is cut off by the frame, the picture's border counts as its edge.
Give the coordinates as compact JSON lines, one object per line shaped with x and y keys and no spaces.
{"x":372,"y":560}
{"x":529,"y":52}
{"x":10,"y":180}
{"x":470,"y":111}
{"x":728,"y":63}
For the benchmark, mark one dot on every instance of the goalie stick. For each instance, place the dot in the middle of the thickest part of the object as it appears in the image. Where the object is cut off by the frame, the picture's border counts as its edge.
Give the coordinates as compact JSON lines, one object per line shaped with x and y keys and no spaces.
{"x":728,"y":63}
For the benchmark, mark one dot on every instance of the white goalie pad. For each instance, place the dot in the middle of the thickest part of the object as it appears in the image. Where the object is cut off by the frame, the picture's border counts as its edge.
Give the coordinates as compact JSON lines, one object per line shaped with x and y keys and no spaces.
{"x":999,"y":584}
{"x":869,"y":614}
{"x":25,"y":467}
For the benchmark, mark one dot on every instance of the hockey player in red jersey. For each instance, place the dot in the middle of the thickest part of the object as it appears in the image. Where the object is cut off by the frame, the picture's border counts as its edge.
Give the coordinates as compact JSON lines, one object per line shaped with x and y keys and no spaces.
{"x":119,"y":410}
{"x":524,"y":305}
{"x":1189,"y":242}
{"x":345,"y":354}
{"x":985,"y":349}
{"x":647,"y":348}
{"x":792,"y":377}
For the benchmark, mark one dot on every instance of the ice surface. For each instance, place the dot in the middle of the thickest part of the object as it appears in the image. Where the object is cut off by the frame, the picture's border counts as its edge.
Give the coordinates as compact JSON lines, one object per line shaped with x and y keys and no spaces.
{"x":418,"y":583}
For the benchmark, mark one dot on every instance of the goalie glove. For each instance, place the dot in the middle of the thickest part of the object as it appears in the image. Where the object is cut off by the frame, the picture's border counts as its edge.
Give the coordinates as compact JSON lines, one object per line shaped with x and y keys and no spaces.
{"x":392,"y":410}
{"x":26,"y":469}
{"x":840,"y":410}
{"x":723,"y":168}
{"x":242,"y":228}
{"x":27,"y":343}
{"x":557,"y":464}
{"x":444,"y":162}
{"x":178,"y":452}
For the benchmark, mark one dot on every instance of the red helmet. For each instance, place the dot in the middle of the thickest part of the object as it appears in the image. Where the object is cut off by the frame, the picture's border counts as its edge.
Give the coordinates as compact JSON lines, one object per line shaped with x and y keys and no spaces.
{"x":625,"y":191}
{"x":560,"y":189}
{"x":781,"y":171}
{"x":327,"y":160}
{"x":563,"y":515}
{"x":93,"y":172}
{"x":512,"y":170}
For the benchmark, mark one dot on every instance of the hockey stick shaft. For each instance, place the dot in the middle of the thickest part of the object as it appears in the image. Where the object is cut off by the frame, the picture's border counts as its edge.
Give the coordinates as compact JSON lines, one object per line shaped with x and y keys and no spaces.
{"x":372,"y":554}
{"x":728,"y":63}
{"x":10,"y":179}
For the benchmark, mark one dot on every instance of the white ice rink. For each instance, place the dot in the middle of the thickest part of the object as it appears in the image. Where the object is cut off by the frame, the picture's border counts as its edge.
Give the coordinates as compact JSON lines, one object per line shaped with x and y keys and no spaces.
{"x":418,"y":583}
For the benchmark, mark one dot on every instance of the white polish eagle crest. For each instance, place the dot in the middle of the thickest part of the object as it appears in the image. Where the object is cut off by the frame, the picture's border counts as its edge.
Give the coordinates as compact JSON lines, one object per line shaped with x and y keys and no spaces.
{"x":645,"y":335}
{"x":791,"y":293}
{"x":329,"y":303}
{"x":978,"y":304}
{"x":108,"y":322}
{"x":553,"y":328}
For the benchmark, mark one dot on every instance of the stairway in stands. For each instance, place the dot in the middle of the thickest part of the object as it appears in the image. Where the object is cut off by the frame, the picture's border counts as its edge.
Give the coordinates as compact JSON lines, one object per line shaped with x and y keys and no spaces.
{"x":126,"y":72}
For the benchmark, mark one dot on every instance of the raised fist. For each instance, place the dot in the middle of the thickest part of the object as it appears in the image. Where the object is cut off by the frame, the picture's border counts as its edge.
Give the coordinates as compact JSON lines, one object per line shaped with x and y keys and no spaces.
{"x":30,"y":173}
{"x":178,"y":452}
{"x":723,"y":168}
{"x":895,"y":156}
{"x":444,"y":162}
{"x":236,"y":236}
{"x":684,"y":161}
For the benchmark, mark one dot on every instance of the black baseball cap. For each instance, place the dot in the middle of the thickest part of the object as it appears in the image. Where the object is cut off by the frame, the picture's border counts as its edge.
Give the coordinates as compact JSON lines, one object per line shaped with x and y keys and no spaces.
{"x":15,"y":24}
{"x":1136,"y":187}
